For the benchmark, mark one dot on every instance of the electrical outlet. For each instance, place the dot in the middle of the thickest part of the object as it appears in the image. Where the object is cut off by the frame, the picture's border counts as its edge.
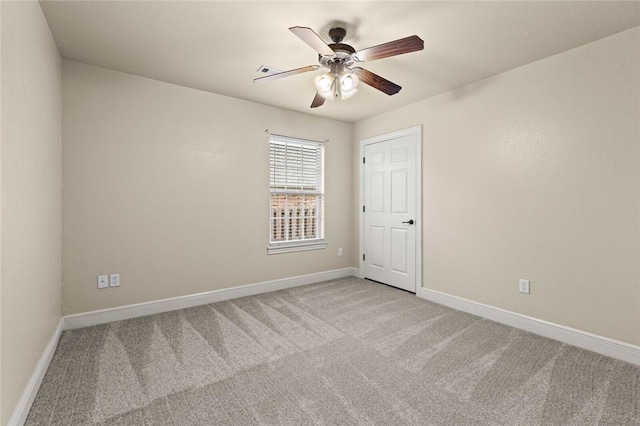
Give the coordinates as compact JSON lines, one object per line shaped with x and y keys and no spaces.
{"x":103,"y":281}
{"x":340,"y":251}
{"x":524,"y":286}
{"x":114,"y":280}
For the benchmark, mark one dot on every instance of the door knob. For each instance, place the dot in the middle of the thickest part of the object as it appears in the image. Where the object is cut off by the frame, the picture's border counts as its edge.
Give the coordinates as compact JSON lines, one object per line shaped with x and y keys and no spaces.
{"x":410,"y":222}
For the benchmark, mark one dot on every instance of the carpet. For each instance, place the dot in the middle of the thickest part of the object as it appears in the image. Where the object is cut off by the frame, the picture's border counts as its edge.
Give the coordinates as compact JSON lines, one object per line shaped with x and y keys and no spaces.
{"x":341,"y":352}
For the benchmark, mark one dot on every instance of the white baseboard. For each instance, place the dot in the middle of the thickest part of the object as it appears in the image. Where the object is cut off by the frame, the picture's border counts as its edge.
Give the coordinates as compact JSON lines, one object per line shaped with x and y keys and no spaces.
{"x":582,"y":339}
{"x":21,"y":410}
{"x":104,"y":316}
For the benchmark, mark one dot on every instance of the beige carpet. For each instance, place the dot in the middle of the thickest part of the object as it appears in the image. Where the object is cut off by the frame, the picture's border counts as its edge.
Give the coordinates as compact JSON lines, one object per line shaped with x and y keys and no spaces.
{"x":336,"y":353}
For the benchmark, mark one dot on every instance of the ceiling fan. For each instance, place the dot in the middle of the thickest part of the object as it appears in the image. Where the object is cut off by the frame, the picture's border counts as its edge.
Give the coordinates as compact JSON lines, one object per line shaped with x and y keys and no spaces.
{"x":341,"y":80}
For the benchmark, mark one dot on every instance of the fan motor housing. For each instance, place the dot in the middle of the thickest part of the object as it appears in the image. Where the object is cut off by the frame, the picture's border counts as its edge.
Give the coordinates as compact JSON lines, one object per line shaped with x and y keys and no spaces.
{"x":342,"y":51}
{"x":341,"y":47}
{"x":339,"y":56}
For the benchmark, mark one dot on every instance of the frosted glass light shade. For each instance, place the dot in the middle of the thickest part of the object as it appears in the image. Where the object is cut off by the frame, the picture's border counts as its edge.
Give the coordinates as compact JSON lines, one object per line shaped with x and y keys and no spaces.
{"x":347,"y":95}
{"x":325,"y":84}
{"x":348,"y":82}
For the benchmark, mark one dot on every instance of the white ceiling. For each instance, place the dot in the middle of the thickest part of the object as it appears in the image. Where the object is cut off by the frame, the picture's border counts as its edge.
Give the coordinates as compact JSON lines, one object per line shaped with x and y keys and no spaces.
{"x":217,"y":46}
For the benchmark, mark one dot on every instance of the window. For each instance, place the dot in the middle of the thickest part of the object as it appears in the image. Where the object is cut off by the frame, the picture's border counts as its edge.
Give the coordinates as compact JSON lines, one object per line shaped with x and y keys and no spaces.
{"x":296,"y":181}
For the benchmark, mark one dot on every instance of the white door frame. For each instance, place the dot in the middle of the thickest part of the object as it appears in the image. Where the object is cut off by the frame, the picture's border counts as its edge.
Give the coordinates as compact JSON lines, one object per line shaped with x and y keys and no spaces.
{"x":416,"y":132}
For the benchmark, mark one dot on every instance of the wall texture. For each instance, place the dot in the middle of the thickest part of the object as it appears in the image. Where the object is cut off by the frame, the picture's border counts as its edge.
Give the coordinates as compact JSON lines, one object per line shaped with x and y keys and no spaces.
{"x":30,"y":195}
{"x":169,"y":187}
{"x":535,"y":174}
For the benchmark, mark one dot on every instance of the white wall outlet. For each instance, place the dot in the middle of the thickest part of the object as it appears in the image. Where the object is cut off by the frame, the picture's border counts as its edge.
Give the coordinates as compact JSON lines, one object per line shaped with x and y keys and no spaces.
{"x":114,"y":280}
{"x":103,"y":281}
{"x":524,"y":286}
{"x":340,"y":251}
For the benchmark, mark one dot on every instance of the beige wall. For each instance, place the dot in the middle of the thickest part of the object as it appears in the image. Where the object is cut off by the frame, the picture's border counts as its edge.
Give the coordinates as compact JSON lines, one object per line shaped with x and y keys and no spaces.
{"x":30,"y":195}
{"x":168,"y":186}
{"x":535,"y":174}
{"x":1,"y":119}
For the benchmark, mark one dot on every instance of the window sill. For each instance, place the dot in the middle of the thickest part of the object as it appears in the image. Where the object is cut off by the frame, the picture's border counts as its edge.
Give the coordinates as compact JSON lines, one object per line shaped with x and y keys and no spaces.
{"x":292,"y":247}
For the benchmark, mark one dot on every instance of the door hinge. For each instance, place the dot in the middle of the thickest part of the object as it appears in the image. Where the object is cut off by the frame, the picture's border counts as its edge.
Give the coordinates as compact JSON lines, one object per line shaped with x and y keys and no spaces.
{"x":363,"y":160}
{"x":362,"y":209}
{"x":363,"y":257}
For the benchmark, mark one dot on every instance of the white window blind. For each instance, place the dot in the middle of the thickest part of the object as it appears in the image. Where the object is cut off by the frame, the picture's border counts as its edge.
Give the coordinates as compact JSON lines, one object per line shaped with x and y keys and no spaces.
{"x":296,"y":182}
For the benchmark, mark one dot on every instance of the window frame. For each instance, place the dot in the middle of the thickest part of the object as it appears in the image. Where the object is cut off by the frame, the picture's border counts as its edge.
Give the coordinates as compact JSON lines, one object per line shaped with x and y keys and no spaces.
{"x":303,"y":244}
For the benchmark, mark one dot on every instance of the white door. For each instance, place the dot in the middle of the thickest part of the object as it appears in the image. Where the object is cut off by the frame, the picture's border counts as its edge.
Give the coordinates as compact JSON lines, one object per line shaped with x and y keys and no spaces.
{"x":390,"y":209}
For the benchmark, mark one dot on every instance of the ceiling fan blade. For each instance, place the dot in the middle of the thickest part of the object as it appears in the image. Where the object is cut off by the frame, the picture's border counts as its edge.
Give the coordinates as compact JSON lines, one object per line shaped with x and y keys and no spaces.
{"x":317,"y":101}
{"x":312,"y":39}
{"x":377,"y":82}
{"x":392,"y":48}
{"x":284,"y":74}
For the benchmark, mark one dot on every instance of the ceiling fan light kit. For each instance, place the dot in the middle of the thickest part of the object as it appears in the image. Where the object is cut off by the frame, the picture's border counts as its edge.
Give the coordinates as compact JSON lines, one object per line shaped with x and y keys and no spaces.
{"x":342,"y":79}
{"x":337,"y":84}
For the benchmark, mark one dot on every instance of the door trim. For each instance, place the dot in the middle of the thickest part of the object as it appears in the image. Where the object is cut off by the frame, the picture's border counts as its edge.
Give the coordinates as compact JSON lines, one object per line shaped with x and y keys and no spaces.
{"x":416,"y":132}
